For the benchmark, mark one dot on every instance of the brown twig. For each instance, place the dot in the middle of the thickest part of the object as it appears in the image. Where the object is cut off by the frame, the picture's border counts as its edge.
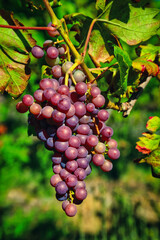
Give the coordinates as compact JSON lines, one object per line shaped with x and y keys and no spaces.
{"x":127,"y":106}
{"x":26,"y":28}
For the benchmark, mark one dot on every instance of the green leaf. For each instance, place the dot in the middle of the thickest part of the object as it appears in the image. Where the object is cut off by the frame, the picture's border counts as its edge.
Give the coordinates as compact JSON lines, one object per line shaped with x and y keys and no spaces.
{"x":15,"y":46}
{"x":100,"y":5}
{"x":124,"y":63}
{"x":149,"y":51}
{"x":133,"y":25}
{"x":146,"y":145}
{"x":153,"y":124}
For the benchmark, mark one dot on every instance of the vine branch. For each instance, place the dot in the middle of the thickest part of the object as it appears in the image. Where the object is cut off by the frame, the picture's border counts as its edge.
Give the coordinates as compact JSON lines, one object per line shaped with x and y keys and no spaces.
{"x":127,"y":106}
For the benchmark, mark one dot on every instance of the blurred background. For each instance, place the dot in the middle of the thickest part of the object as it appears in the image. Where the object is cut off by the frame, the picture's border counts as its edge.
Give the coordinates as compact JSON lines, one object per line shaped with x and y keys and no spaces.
{"x":122,"y":204}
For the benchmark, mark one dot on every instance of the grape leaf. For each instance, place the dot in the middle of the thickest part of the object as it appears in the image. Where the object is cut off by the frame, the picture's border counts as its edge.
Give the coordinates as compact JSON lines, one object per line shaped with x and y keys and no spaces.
{"x":99,"y":50}
{"x":153,"y":124}
{"x":147,"y":143}
{"x":100,"y":5}
{"x":125,"y":63}
{"x":149,"y":51}
{"x":133,"y":25}
{"x":14,"y":56}
{"x":153,"y":159}
{"x":142,"y":64}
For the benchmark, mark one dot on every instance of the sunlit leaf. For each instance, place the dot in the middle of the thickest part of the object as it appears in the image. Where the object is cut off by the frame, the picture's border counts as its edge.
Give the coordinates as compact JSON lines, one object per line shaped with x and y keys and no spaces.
{"x":15,"y":46}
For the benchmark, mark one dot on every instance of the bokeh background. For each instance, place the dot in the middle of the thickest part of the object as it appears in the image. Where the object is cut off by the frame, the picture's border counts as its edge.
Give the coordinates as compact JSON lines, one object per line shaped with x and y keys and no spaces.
{"x":122,"y":204}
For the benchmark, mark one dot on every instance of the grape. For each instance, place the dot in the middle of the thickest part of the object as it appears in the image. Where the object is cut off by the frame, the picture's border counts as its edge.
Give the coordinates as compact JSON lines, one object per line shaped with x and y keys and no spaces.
{"x":113,"y":153}
{"x":52,"y":62}
{"x":82,"y":138}
{"x":98,"y":159}
{"x":81,"y":193}
{"x":57,"y":158}
{"x":21,"y":108}
{"x":112,"y":143}
{"x":47,"y":112}
{"x":72,"y":122}
{"x":58,"y":116}
{"x":83,"y":129}
{"x":47,"y":43}
{"x":55,"y":99}
{"x":103,"y":115}
{"x":80,"y":184}
{"x":81,"y":88}
{"x":79,"y":76}
{"x":62,"y":49}
{"x":90,"y":107}
{"x":50,"y":142}
{"x":64,"y":133}
{"x":35,"y":109}
{"x":55,"y":84}
{"x":45,"y":83}
{"x":48,"y":93}
{"x":57,"y":71}
{"x":61,"y":187}
{"x":55,"y":179}
{"x":57,"y":168}
{"x":82,"y":163}
{"x":64,"y":204}
{"x":80,"y":109}
{"x":69,"y":122}
{"x":106,"y":166}
{"x":82,"y":152}
{"x":42,"y":135}
{"x":61,"y":146}
{"x":62,"y":197}
{"x":64,"y":105}
{"x":74,"y":141}
{"x":107,"y":132}
{"x":71,"y":180}
{"x":100,"y":148}
{"x":98,"y":101}
{"x":71,"y":166}
{"x":66,"y":66}
{"x":64,"y":173}
{"x":63,"y":90}
{"x":38,"y":95}
{"x":88,"y":170}
{"x":85,"y":119}
{"x":80,"y":174}
{"x":71,"y":153}
{"x":27,"y":100}
{"x":53,"y":32}
{"x":52,"y":52}
{"x":92,"y":140}
{"x":37,"y":52}
{"x":95,"y":91}
{"x":70,"y":210}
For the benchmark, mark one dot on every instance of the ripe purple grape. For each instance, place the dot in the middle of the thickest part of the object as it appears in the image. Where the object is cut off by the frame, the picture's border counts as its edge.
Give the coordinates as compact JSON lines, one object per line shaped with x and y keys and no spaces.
{"x":107,"y":166}
{"x":52,"y":52}
{"x":81,"y":193}
{"x":27,"y":100}
{"x":81,"y":88}
{"x":61,"y":187}
{"x":70,"y":210}
{"x":53,"y":32}
{"x":37,"y":52}
{"x":57,"y":71}
{"x":98,"y":159}
{"x":113,"y":153}
{"x":21,"y":108}
{"x":64,"y":133}
{"x":55,"y":179}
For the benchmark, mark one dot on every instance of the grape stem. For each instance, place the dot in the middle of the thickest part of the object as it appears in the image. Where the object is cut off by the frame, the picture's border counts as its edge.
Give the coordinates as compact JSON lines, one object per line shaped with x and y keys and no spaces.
{"x":58,"y":24}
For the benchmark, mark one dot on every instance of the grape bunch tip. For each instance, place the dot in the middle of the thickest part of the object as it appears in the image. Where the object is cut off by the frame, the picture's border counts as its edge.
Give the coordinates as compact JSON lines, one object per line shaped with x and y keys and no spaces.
{"x":71,"y":123}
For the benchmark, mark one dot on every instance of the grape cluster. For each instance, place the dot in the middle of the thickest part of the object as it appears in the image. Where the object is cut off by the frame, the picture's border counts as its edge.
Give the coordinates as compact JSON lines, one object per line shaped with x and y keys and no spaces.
{"x":70,"y":122}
